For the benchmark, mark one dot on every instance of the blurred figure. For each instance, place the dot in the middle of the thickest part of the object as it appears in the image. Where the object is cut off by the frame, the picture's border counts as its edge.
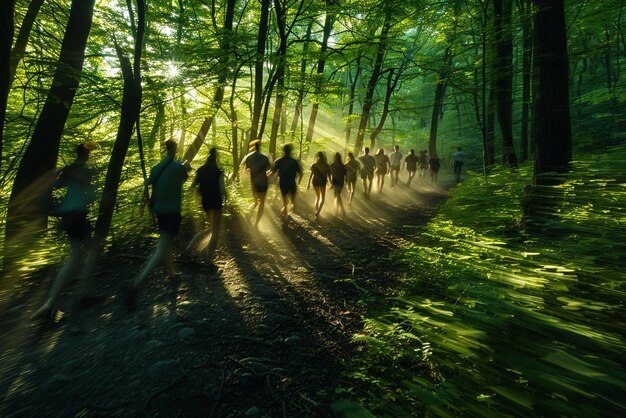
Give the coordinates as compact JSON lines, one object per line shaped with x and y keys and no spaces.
{"x":434,"y":166}
{"x":72,"y":209}
{"x":320,"y":171}
{"x":288,"y":168}
{"x":395,"y":161}
{"x":209,"y":182}
{"x":352,"y":170}
{"x":166,"y":178}
{"x":382,"y":167}
{"x":458,"y":158}
{"x":411,"y":165}
{"x":338,"y":176}
{"x":423,"y":163}
{"x":368,"y":164}
{"x":258,"y":165}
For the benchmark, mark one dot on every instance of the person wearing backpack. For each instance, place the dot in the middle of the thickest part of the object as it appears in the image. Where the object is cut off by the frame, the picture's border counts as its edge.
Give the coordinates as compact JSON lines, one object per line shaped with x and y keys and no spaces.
{"x":72,"y":211}
{"x":167,"y":179}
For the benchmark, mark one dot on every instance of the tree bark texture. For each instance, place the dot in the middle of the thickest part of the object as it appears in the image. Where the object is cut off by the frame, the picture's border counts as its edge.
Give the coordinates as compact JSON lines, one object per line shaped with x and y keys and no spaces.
{"x":258,"y":69}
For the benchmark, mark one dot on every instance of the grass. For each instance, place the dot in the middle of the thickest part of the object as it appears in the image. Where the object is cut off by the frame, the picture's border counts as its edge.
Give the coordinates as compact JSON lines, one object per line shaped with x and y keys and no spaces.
{"x":496,"y":320}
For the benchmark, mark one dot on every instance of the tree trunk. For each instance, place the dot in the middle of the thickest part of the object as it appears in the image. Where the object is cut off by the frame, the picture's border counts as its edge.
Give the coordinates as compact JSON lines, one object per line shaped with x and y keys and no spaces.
{"x":371,"y":85}
{"x":258,"y":70}
{"x":226,"y":45}
{"x":526,"y":16}
{"x":552,"y":119}
{"x":440,"y":92}
{"x":42,"y":152}
{"x":7,"y":11}
{"x":22,"y":37}
{"x":392,"y":82}
{"x":503,"y":69}
{"x":131,"y":105}
{"x":303,"y":62}
{"x":491,"y":127}
{"x":353,"y":84}
{"x":321,"y":63}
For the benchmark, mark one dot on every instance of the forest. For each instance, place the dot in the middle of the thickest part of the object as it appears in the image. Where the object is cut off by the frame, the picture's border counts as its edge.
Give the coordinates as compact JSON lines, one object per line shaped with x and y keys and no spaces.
{"x":499,"y":293}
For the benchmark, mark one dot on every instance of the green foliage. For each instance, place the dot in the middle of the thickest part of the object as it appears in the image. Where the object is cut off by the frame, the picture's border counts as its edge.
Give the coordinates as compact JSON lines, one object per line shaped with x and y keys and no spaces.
{"x":495,"y":320}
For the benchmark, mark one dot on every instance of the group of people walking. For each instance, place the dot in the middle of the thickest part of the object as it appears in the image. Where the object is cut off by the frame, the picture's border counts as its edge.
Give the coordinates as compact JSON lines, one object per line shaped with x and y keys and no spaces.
{"x":167,"y":179}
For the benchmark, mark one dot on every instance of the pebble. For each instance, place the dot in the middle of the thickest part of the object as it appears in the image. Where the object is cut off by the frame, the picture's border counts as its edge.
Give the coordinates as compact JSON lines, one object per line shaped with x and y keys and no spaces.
{"x":163,"y":368}
{"x":293,"y":340}
{"x":255,"y":411}
{"x":276,"y":318}
{"x":186,"y":333}
{"x":153,"y":345}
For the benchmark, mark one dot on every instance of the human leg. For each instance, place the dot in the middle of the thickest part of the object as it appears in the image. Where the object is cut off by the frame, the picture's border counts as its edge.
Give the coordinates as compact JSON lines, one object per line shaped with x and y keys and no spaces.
{"x":259,"y":214}
{"x":216,"y":222}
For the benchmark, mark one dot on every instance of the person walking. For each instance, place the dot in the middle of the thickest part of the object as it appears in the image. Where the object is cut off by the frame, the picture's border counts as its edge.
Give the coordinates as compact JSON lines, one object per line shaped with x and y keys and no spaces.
{"x":382,"y":168}
{"x":423,"y":164}
{"x":167,"y":179}
{"x":338,"y":176}
{"x":352,"y":170}
{"x":434,"y":165}
{"x":258,"y":165}
{"x":458,"y":158}
{"x":288,"y":169}
{"x":395,"y":162}
{"x":368,"y":164}
{"x":209,"y":182}
{"x":410,"y":163}
{"x":320,"y":172}
{"x":73,"y":208}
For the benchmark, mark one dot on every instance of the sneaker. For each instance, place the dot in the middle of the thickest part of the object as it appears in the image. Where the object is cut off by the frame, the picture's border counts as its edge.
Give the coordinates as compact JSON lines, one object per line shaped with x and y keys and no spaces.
{"x":45,"y":314}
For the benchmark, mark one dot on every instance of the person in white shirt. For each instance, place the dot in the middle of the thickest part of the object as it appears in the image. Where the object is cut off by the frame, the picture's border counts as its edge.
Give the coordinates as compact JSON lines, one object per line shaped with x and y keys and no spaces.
{"x":395,"y":158}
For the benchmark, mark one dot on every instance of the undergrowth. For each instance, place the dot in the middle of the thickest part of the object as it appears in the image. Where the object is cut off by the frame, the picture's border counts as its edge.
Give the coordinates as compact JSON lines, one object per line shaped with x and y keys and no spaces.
{"x":496,"y":320}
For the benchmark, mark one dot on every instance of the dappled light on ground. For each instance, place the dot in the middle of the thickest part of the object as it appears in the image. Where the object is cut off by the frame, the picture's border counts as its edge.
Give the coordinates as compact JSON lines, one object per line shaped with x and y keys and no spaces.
{"x":263,"y":327}
{"x":502,"y":317}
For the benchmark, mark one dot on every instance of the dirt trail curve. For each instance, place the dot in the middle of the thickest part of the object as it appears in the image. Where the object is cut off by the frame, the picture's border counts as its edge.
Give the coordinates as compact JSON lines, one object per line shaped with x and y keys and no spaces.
{"x":262,"y":334}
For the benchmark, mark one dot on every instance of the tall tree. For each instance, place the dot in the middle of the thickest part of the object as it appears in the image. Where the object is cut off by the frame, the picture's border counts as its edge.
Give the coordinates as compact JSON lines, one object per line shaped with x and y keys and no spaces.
{"x":258,"y":69}
{"x":226,"y":42}
{"x":553,"y":134}
{"x":321,"y":64}
{"x":42,"y":151}
{"x":374,"y":77}
{"x":503,"y":69}
{"x":7,"y":11}
{"x":131,"y":104}
{"x":19,"y":49}
{"x":527,"y":37}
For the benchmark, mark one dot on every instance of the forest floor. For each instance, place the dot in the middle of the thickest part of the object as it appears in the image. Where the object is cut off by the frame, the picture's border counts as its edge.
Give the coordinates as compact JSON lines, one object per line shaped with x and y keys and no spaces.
{"x":263,"y":332}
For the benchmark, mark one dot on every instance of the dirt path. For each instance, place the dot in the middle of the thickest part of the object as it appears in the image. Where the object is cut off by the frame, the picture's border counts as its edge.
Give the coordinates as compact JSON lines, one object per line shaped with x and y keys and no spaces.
{"x":263,"y":334}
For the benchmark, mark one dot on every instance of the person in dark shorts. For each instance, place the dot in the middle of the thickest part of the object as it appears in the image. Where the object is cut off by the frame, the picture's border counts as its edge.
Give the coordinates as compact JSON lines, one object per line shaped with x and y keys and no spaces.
{"x":258,"y":165}
{"x":423,"y":164}
{"x":288,"y":169}
{"x":166,"y":178}
{"x":382,"y":168}
{"x":368,"y":164}
{"x":72,"y":209}
{"x":410,"y":163}
{"x":352,"y":170}
{"x":395,"y":162}
{"x":338,"y":177}
{"x":320,"y":172}
{"x":209,"y":182}
{"x":434,"y":165}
